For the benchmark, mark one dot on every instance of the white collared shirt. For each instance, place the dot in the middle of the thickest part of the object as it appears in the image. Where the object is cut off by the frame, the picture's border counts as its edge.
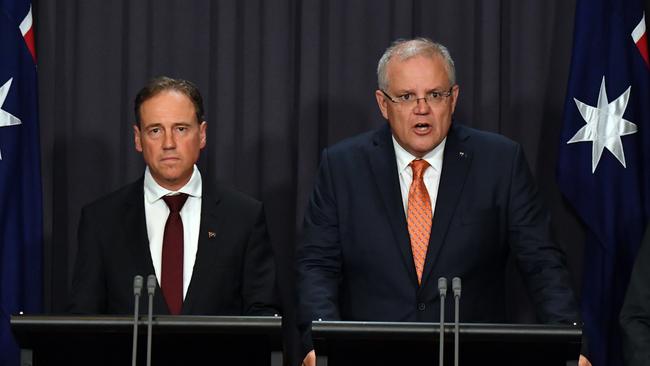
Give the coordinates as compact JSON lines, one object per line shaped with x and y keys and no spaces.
{"x":156,"y":213}
{"x":431,"y":174}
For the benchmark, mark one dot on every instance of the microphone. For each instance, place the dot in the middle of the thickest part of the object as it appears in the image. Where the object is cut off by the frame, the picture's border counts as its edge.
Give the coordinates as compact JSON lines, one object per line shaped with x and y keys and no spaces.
{"x":151,"y":288}
{"x":442,"y":287}
{"x":455,"y":285}
{"x":137,"y":289}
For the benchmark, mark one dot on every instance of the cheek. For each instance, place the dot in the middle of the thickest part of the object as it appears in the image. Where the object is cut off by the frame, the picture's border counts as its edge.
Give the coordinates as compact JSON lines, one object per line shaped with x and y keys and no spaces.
{"x":443,"y":119}
{"x":400,"y":121}
{"x":149,"y":148}
{"x":192,"y":146}
{"x":147,"y":154}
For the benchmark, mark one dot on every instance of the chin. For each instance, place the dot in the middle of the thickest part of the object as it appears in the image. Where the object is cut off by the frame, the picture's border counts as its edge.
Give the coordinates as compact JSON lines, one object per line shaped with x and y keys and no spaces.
{"x":423,"y":150}
{"x":167,"y":177}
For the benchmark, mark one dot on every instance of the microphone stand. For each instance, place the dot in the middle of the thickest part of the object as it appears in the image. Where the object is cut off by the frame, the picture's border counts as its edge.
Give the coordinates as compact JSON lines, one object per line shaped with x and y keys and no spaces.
{"x":442,"y":288}
{"x":456,"y":285}
{"x":137,"y":289}
{"x":151,"y":288}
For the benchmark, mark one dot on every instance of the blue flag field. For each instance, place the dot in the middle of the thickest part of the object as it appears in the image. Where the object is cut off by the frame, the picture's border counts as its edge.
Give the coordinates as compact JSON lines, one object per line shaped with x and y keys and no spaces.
{"x":21,"y":228}
{"x":603,"y":168}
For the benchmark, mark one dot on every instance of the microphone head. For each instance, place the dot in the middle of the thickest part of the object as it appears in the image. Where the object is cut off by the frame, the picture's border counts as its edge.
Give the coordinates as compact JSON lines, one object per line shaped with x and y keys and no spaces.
{"x":442,"y":286}
{"x":455,"y":285}
{"x":137,"y":285}
{"x":151,"y":284}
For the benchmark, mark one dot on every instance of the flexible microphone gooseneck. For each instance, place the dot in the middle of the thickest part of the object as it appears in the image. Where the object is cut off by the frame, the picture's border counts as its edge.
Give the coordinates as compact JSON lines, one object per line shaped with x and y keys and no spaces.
{"x":151,"y":288}
{"x":137,"y":290}
{"x":442,"y":288}
{"x":455,"y":285}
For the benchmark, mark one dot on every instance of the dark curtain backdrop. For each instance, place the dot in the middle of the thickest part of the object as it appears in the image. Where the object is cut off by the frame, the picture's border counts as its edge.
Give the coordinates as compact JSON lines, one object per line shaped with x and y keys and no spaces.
{"x":281,"y":80}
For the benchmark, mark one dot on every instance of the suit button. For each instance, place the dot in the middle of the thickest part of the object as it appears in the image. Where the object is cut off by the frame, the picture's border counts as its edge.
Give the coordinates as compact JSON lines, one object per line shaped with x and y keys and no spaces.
{"x":422,"y":306}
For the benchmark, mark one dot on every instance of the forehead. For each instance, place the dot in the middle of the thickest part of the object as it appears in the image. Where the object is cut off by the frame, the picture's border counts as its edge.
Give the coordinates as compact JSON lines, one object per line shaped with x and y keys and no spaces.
{"x":426,"y":72}
{"x":168,"y":105}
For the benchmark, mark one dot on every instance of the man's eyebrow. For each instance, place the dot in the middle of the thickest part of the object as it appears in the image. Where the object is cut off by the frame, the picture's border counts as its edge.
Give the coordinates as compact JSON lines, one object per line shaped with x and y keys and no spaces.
{"x":428,"y":90}
{"x":158,"y":124}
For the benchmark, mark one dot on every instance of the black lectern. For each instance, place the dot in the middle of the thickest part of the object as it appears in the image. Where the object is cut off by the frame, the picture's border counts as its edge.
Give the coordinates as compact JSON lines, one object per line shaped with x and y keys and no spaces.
{"x":206,"y":340}
{"x":372,"y":343}
{"x":177,"y":340}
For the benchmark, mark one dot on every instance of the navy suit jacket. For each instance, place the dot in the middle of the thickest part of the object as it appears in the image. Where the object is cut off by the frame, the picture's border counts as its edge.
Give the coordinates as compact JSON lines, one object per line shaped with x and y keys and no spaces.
{"x":355,"y":261}
{"x":234,"y":271}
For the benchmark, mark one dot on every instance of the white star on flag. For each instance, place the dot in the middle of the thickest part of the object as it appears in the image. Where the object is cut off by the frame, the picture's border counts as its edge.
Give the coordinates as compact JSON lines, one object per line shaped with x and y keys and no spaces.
{"x":604,"y":126}
{"x":6,"y":118}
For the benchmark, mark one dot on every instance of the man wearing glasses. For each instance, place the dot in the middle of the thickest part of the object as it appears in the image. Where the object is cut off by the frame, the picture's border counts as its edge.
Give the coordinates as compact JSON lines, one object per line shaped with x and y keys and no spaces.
{"x":421,"y":198}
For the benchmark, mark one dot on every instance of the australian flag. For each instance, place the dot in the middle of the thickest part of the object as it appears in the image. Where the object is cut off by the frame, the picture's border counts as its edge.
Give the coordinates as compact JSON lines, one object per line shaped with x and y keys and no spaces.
{"x":604,"y":160}
{"x":21,"y":232}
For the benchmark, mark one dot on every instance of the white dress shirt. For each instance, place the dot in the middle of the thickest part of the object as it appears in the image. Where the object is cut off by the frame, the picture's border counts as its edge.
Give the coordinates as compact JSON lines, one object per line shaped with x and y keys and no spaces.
{"x":431,"y":174}
{"x":156,"y":213}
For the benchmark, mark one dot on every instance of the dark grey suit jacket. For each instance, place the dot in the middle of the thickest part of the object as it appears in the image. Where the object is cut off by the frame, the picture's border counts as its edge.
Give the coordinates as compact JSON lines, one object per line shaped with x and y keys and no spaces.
{"x":234,"y":272}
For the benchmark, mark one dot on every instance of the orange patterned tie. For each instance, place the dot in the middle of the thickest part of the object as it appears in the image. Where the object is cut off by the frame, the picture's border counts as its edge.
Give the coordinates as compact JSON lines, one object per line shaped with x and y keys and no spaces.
{"x":419,"y":216}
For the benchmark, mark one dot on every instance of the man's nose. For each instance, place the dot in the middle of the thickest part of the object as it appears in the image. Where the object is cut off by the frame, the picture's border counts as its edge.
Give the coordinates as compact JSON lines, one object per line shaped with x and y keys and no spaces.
{"x":422,"y":106}
{"x":169,"y":141}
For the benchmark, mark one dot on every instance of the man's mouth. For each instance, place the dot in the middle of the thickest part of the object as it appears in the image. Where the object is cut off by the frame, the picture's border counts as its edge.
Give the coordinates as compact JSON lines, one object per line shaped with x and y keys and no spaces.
{"x":422,"y":127}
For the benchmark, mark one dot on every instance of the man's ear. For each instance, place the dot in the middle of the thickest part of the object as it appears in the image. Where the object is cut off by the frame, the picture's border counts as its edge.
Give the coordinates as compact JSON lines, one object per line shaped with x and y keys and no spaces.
{"x":382,"y":103}
{"x":202,"y":133}
{"x":136,"y":138}
{"x":454,"y":95}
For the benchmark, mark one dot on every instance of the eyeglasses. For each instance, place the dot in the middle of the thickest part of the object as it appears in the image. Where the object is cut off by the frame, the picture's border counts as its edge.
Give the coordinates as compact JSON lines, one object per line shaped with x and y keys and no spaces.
{"x":410,"y":99}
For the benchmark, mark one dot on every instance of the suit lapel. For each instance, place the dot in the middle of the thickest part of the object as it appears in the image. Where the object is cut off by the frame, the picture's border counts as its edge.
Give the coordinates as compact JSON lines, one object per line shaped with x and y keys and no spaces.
{"x":455,"y":165}
{"x":209,"y":234}
{"x":384,"y":167}
{"x":135,"y":226}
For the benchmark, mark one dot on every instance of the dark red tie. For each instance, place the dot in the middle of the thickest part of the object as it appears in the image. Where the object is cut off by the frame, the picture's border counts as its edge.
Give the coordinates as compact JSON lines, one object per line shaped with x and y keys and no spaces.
{"x":172,"y":254}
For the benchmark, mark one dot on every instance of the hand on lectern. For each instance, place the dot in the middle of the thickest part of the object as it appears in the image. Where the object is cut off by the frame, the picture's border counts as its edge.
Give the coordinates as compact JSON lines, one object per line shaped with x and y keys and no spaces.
{"x":310,"y":359}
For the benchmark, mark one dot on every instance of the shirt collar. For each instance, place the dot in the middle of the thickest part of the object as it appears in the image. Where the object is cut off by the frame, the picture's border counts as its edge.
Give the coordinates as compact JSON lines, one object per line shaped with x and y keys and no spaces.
{"x":433,"y":157}
{"x":153,"y":191}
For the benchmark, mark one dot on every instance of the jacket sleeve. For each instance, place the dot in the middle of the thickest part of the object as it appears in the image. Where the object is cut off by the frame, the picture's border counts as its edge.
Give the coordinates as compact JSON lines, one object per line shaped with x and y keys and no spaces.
{"x":88,"y":293}
{"x":319,"y":252}
{"x":541,"y":262}
{"x":635,"y":314}
{"x":259,"y":289}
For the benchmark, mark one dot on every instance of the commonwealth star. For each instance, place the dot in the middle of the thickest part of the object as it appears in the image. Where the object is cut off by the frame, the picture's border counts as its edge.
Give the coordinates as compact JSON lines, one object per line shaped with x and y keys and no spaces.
{"x":604,"y":126}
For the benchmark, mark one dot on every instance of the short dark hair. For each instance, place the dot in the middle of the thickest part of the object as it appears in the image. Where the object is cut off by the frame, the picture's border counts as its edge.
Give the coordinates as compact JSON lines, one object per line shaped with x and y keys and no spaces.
{"x":163,"y":83}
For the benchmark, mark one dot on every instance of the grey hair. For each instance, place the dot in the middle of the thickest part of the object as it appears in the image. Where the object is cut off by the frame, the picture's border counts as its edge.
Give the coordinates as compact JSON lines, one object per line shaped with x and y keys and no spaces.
{"x":405,"y":49}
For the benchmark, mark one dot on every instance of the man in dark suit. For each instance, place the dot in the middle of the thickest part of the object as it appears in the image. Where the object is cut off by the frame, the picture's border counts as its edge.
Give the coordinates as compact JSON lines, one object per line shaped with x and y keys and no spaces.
{"x":635,"y":313}
{"x":421,"y":198}
{"x":218,"y":261}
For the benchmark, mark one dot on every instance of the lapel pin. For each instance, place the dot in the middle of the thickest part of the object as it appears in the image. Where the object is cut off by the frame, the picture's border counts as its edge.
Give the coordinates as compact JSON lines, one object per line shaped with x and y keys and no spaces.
{"x":211,"y":234}
{"x":462,"y":154}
